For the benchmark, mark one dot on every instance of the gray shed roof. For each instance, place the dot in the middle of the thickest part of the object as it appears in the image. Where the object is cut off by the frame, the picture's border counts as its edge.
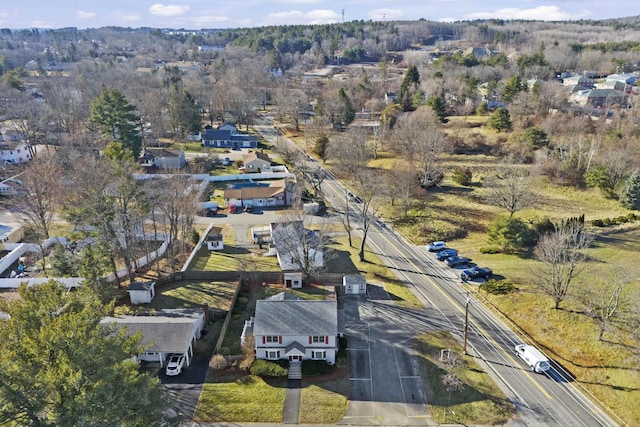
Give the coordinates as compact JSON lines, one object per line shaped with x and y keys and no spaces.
{"x":296,"y":318}
{"x":170,"y":331}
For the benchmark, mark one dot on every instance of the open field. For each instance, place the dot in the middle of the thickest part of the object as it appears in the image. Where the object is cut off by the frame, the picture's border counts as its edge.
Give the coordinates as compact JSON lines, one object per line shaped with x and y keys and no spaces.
{"x":216,"y":295}
{"x":480,"y":401}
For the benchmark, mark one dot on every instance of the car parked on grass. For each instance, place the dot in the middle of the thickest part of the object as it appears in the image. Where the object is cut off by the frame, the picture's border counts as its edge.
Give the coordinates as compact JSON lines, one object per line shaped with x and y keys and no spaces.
{"x":476,"y":272}
{"x":436,"y":246}
{"x":454,"y":261}
{"x":175,"y":365}
{"x":446,"y":253}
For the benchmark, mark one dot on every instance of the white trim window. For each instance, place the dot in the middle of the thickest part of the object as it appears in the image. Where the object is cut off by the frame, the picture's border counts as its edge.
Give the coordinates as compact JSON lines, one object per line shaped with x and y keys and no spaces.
{"x":273,"y":355}
{"x":318,"y":339}
{"x":272,"y":339}
{"x":319,"y":355}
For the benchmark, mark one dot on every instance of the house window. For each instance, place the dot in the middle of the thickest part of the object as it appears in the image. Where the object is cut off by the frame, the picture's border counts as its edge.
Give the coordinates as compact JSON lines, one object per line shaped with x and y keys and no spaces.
{"x":273,"y":355}
{"x":272,"y":339}
{"x":318,"y":339}
{"x":319,"y":355}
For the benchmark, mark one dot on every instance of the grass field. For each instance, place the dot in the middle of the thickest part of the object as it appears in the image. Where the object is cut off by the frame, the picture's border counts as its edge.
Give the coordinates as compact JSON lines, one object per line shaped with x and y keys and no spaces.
{"x":241,"y":399}
{"x":319,"y":404}
{"x":480,"y":401}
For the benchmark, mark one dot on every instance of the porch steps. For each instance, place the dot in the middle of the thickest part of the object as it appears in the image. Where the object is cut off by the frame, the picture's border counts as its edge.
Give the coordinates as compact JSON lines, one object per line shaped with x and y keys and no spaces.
{"x":295,"y":370}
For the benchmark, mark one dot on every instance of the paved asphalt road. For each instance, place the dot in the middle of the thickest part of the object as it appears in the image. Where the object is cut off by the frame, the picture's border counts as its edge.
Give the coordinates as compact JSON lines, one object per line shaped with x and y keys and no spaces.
{"x":540,"y":399}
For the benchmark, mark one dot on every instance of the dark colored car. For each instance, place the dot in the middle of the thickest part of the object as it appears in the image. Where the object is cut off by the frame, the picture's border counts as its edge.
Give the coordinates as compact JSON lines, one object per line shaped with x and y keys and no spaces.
{"x":476,"y":273}
{"x":446,"y":253}
{"x":453,"y":261}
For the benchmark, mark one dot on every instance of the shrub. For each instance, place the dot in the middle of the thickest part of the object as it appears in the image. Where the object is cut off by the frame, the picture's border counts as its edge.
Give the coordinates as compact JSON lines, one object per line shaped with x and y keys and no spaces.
{"x":342,"y":348}
{"x":490,"y":250}
{"x":316,"y":367}
{"x":597,"y":223}
{"x":462,"y":175}
{"x":497,"y":287}
{"x":243,"y":300}
{"x":195,"y":236}
{"x":512,"y":234}
{"x":224,"y":351}
{"x":218,"y":361}
{"x":268,"y":368}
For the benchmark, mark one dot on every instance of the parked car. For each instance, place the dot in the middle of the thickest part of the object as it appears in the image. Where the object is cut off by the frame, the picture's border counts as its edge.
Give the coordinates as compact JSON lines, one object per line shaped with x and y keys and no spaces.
{"x":175,"y":365}
{"x":453,"y":261}
{"x":226,"y":161}
{"x":446,"y":253}
{"x":476,"y":272}
{"x":436,"y":246}
{"x":248,"y":208}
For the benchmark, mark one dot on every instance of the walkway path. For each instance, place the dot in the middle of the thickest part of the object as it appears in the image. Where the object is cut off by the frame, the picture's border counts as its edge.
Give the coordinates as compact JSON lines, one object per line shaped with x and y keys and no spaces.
{"x":292,"y":402}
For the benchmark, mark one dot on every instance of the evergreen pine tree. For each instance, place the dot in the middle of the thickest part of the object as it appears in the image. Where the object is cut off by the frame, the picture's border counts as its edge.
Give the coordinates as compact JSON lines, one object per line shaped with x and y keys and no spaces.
{"x":630,"y":195}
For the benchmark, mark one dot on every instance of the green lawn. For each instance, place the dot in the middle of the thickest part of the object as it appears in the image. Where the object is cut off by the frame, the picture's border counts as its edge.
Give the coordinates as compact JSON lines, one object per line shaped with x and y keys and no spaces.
{"x":479,"y":402}
{"x":194,"y":294}
{"x":320,"y":405}
{"x":232,"y":258}
{"x":242,"y":399}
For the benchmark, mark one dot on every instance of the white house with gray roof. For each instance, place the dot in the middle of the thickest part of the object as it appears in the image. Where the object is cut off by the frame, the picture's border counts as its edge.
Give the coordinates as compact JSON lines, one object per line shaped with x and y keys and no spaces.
{"x":171,"y":331}
{"x":295,"y":330}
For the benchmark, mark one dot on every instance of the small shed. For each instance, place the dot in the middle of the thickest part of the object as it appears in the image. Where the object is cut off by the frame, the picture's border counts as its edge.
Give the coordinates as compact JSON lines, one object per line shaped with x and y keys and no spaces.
{"x":293,"y":280}
{"x":354,"y":284}
{"x":141,"y":292}
{"x":214,"y":239}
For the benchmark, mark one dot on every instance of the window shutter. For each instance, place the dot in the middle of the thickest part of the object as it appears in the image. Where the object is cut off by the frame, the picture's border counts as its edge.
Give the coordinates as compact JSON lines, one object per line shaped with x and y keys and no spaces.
{"x":264,"y":339}
{"x":310,"y":340}
{"x":326,"y":340}
{"x":279,"y":340}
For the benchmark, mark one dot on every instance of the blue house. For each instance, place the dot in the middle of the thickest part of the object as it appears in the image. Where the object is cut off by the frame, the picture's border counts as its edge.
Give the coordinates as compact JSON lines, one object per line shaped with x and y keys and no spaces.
{"x":227,"y":136}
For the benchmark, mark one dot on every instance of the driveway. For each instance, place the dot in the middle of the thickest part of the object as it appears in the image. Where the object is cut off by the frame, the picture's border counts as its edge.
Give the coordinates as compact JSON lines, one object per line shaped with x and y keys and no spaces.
{"x":184,"y":389}
{"x":385,"y":384}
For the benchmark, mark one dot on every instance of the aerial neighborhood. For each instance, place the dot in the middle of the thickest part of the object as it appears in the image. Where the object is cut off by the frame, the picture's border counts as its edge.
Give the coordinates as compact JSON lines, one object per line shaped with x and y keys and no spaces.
{"x":383,"y":222}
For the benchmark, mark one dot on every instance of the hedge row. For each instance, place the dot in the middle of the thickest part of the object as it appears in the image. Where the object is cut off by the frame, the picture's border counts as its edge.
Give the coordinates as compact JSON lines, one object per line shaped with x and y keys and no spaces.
{"x":608,"y":222}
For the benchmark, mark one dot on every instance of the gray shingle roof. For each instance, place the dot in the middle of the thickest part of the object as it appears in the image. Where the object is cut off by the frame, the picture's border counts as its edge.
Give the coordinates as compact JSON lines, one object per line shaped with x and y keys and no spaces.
{"x":296,"y":318}
{"x":170,"y":331}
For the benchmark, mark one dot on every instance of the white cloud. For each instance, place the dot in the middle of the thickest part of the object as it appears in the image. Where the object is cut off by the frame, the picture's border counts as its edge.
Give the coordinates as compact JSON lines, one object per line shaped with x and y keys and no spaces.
{"x":385,"y":14}
{"x":299,"y":1}
{"x":206,"y":20}
{"x":159,"y":9}
{"x":543,"y":13}
{"x":41,"y":24}
{"x":81,"y":14}
{"x":314,"y":17}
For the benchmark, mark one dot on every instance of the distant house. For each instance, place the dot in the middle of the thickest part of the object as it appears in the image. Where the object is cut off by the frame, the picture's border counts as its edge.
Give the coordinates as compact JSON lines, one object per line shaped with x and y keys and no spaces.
{"x":13,"y":151}
{"x":600,"y":98}
{"x":141,"y":292}
{"x":390,"y":98}
{"x":627,"y":78}
{"x":354,"y":284}
{"x":582,"y":81}
{"x":171,"y":331}
{"x":256,"y":162}
{"x":214,"y":239}
{"x":227,"y":136}
{"x":162,"y":158}
{"x":259,"y":194}
{"x":295,"y":330}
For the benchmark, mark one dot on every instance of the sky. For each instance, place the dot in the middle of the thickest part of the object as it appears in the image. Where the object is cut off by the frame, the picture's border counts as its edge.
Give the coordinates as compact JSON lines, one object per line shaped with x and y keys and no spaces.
{"x":197,"y":14}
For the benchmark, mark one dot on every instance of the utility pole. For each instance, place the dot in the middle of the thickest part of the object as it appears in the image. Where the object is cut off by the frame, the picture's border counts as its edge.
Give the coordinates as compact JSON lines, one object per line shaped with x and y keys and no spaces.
{"x":466,"y":321}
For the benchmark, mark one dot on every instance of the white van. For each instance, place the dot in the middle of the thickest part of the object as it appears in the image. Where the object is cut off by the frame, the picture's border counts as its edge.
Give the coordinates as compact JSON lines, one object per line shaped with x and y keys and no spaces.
{"x":537,"y":361}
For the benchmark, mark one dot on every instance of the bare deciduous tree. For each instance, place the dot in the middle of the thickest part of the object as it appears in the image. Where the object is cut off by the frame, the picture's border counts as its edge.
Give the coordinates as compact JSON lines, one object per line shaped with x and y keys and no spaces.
{"x":560,"y":255}
{"x":606,"y":300}
{"x":511,"y":191}
{"x":420,"y":140}
{"x":367,"y":185}
{"x":40,"y":184}
{"x":402,"y":183}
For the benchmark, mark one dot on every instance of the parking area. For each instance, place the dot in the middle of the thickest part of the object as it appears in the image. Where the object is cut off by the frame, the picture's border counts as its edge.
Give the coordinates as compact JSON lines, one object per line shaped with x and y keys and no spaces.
{"x":385,"y":384}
